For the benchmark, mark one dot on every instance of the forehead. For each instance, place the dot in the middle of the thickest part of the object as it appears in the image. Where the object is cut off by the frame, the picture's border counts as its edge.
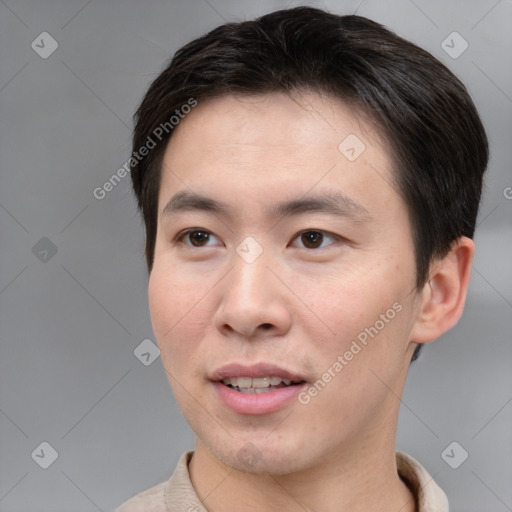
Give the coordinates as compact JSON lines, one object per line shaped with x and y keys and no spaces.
{"x":275,"y":144}
{"x":275,"y":122}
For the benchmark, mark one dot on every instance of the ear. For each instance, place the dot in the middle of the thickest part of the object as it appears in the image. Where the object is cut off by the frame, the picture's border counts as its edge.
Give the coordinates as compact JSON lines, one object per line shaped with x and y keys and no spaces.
{"x":443,"y":297}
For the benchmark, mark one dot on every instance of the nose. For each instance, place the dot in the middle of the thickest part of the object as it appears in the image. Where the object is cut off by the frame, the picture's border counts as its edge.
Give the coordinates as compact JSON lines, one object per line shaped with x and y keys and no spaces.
{"x":254,"y":301}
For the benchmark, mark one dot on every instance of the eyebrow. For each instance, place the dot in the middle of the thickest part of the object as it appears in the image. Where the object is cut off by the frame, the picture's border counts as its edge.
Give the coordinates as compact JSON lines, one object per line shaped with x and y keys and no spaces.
{"x":335,"y":203}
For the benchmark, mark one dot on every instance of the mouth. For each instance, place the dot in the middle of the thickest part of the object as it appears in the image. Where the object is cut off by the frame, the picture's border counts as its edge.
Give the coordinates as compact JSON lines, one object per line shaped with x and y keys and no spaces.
{"x":258,"y":385}
{"x":257,"y":389}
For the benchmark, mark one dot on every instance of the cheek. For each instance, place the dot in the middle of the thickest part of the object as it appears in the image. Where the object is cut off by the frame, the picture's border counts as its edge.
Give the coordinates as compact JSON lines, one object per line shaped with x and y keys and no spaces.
{"x":178,"y":315}
{"x":351,"y":299}
{"x":356,"y":379}
{"x":365,"y":319}
{"x":163,"y":294}
{"x":172,"y":295}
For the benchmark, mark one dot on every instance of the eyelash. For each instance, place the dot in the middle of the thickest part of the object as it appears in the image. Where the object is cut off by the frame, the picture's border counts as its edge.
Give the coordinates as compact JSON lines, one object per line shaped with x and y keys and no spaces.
{"x":179,"y":238}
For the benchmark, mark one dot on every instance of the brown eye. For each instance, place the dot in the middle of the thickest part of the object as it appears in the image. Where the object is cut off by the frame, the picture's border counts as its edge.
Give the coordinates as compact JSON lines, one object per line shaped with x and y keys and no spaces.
{"x":195,"y":238}
{"x":312,"y":239}
{"x":315,"y":239}
{"x":198,"y":238}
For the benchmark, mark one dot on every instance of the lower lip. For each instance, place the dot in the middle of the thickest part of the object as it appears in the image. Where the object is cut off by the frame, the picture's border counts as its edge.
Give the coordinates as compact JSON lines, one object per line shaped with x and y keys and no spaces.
{"x":257,"y":403}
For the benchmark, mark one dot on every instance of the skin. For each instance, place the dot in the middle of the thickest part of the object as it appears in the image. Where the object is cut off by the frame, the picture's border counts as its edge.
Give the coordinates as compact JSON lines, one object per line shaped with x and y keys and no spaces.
{"x":297,"y":306}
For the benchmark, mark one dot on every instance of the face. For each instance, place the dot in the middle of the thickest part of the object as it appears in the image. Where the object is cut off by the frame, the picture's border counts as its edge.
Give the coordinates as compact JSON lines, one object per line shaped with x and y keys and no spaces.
{"x":282,"y":255}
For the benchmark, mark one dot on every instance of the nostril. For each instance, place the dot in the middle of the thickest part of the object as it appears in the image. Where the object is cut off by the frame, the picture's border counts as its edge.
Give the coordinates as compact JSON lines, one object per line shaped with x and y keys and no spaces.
{"x":266,"y":326}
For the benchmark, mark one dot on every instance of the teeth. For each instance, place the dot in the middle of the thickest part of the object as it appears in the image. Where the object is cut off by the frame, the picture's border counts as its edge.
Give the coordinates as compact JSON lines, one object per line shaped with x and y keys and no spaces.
{"x":255,"y":390}
{"x":260,"y":382}
{"x":243,"y":382}
{"x":255,"y":383}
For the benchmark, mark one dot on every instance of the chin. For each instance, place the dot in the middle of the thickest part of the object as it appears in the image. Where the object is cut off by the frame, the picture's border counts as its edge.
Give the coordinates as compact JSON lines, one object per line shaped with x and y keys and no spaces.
{"x":261,"y":455}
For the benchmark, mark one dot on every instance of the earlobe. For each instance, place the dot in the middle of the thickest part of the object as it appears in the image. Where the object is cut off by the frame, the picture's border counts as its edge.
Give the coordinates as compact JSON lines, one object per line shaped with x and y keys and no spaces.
{"x":443,"y":297}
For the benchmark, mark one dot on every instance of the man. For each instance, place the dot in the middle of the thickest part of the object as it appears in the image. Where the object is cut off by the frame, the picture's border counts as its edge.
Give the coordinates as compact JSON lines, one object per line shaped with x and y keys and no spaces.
{"x":309,"y":185}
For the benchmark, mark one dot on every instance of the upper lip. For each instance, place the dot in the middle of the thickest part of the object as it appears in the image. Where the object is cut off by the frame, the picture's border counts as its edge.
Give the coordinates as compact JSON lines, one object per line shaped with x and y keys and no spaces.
{"x":254,"y":371}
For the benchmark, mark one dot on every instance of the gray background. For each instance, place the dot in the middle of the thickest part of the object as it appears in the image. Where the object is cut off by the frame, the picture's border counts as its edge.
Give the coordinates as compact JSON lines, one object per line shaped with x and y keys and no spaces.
{"x":70,"y":321}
